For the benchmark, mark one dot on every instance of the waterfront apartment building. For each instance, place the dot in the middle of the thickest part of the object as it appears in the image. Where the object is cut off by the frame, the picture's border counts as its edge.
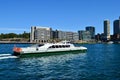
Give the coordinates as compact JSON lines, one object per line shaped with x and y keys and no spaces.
{"x":40,"y":34}
{"x":65,"y":35}
{"x":75,"y":36}
{"x":55,"y":34}
{"x":116,"y":26}
{"x":84,"y":35}
{"x":59,"y":35}
{"x":107,"y":30}
{"x":45,"y":34}
{"x":69,"y":35}
{"x":91,"y":29}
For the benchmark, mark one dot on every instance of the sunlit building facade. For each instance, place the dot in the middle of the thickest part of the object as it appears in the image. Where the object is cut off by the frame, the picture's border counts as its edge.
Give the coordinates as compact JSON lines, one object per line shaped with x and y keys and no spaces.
{"x":40,"y":34}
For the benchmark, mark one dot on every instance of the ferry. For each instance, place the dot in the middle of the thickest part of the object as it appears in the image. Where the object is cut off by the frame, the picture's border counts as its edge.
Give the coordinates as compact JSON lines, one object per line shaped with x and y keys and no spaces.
{"x":64,"y":46}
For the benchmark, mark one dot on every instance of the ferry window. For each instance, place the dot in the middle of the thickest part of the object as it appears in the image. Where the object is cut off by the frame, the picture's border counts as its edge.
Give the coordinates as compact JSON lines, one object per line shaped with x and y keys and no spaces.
{"x":40,"y":45}
{"x":67,"y":45}
{"x":60,"y":46}
{"x":50,"y":47}
{"x":53,"y":46}
{"x":63,"y":46}
{"x":57,"y":46}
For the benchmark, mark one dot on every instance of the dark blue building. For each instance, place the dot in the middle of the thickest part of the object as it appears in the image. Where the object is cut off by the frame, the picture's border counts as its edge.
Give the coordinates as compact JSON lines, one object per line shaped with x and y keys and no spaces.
{"x":91,"y":29}
{"x":116,"y":26}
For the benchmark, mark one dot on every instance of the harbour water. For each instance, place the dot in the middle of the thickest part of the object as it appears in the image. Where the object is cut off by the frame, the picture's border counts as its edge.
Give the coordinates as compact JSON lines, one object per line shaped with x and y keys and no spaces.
{"x":100,"y":62}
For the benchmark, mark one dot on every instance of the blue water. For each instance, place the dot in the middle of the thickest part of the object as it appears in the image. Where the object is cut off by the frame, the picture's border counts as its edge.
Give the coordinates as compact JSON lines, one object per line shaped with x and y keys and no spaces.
{"x":100,"y":62}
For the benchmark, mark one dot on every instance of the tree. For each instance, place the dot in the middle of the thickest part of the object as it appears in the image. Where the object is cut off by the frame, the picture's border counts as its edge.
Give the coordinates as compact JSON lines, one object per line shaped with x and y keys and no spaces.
{"x":13,"y":35}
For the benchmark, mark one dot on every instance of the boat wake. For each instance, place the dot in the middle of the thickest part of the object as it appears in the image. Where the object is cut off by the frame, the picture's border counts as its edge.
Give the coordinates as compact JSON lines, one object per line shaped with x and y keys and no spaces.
{"x":7,"y":56}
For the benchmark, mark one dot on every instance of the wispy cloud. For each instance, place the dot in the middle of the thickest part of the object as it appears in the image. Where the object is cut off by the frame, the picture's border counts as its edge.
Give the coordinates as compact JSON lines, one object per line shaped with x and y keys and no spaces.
{"x":14,"y":29}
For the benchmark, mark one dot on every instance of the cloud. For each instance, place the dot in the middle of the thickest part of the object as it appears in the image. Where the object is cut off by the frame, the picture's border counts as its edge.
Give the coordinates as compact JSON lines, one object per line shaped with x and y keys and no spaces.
{"x":14,"y":29}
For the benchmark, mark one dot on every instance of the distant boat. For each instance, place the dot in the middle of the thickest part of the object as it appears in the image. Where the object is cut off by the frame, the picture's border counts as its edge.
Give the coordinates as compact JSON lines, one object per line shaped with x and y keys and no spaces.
{"x":110,"y":42}
{"x":64,"y":46}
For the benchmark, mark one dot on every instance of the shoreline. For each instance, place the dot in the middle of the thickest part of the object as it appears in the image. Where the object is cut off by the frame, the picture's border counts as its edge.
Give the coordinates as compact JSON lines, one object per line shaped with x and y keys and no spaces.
{"x":26,"y":42}
{"x":15,"y":42}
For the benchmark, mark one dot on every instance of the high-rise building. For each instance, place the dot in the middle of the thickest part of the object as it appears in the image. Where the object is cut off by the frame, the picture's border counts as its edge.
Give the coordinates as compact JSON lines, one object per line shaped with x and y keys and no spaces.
{"x":91,"y":29}
{"x":61,"y":35}
{"x":69,"y":35}
{"x":40,"y":34}
{"x":84,"y":35}
{"x":55,"y":34}
{"x":80,"y":34}
{"x":116,"y":26}
{"x":75,"y":36}
{"x":32,"y":34}
{"x":106,"y":29}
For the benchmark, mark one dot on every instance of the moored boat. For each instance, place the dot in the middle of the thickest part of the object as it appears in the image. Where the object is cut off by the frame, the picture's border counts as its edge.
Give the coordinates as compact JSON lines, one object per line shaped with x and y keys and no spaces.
{"x":64,"y":46}
{"x":110,"y":42}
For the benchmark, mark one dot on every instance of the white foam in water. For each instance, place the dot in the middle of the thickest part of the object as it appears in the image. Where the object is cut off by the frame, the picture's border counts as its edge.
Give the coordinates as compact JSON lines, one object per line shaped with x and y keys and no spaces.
{"x":7,"y":56}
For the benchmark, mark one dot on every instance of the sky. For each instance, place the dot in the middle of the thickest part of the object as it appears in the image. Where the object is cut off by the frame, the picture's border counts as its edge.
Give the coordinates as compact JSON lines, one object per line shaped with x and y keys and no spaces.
{"x":17,"y":16}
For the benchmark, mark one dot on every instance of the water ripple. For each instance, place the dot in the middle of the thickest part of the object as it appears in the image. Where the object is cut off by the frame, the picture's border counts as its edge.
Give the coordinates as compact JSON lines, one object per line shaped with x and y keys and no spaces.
{"x":6,"y":56}
{"x":101,"y":62}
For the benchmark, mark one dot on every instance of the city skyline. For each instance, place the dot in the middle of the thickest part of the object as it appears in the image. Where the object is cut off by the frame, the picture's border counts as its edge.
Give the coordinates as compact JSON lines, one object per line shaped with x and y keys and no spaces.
{"x":66,"y":15}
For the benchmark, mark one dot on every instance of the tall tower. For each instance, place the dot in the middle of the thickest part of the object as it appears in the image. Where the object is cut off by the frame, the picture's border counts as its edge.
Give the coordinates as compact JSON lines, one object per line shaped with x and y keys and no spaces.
{"x":107,"y":29}
{"x":32,"y":34}
{"x":116,"y":26}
